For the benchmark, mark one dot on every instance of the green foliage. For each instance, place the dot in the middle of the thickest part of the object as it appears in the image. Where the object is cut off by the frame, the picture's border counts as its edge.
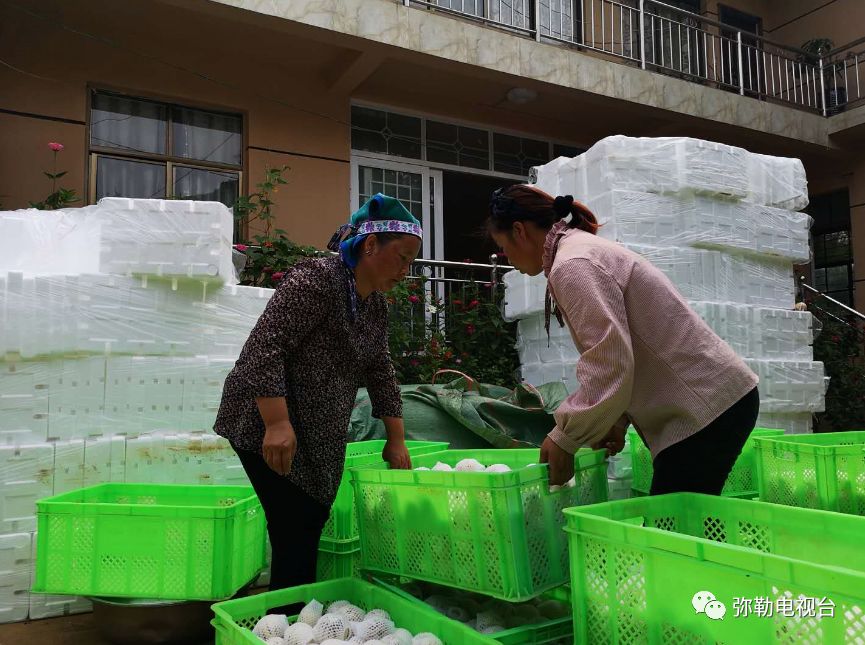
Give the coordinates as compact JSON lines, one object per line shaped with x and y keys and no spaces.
{"x":840,"y":347}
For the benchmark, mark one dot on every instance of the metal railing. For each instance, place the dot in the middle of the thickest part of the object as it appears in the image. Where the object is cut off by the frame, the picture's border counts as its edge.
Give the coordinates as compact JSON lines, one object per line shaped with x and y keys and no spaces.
{"x":669,"y":40}
{"x":845,"y":76}
{"x":810,"y":295}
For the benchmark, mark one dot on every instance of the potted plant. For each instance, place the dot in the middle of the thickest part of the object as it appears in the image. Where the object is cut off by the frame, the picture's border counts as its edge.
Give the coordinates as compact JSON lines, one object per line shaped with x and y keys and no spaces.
{"x":835,"y":93}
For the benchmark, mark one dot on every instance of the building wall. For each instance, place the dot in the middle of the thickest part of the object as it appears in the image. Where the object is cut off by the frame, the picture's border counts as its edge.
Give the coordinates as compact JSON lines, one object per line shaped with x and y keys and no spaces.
{"x":793,"y":22}
{"x":49,"y":103}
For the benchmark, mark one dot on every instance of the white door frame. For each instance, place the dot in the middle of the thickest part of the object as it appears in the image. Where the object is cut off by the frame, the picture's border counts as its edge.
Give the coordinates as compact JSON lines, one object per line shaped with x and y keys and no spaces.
{"x":431,"y":193}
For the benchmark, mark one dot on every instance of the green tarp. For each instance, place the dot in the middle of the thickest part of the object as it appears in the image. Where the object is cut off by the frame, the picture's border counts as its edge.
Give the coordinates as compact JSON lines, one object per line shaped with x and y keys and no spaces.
{"x":467,"y":414}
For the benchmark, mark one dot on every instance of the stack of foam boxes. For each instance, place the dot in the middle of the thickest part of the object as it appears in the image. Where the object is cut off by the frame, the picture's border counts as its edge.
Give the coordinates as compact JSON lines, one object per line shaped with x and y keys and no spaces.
{"x":118,"y":325}
{"x":723,"y":225}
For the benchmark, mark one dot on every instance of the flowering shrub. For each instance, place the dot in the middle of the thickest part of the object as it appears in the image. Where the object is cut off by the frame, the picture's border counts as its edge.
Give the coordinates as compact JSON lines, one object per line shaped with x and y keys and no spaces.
{"x":463,"y":332}
{"x":270,"y":252}
{"x":59,"y":197}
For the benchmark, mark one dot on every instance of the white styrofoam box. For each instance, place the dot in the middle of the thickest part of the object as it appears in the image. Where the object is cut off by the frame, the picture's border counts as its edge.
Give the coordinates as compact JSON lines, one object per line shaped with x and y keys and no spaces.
{"x":26,"y":475}
{"x":166,"y":238}
{"x":173,"y":238}
{"x":547,"y":177}
{"x":49,"y":242}
{"x":109,"y":314}
{"x":792,"y":423}
{"x":540,"y":373}
{"x":790,"y":386}
{"x":15,"y":576}
{"x":777,"y":181}
{"x":23,"y":402}
{"x":229,"y":314}
{"x":104,"y":460}
{"x":751,"y":228}
{"x":146,"y":461}
{"x":686,"y":220}
{"x":524,"y":295}
{"x":758,"y":332}
{"x":76,"y":399}
{"x":202,"y":392}
{"x":533,"y":345}
{"x":15,"y":553}
{"x":14,"y":597}
{"x":657,"y":165}
{"x":68,"y":465}
{"x":183,"y":458}
{"x":703,"y":274}
{"x":618,"y":489}
{"x":49,"y":605}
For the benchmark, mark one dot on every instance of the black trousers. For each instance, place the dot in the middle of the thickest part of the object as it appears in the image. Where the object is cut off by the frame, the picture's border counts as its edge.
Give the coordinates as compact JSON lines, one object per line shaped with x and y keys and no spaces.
{"x":294,"y":523}
{"x":702,"y":462}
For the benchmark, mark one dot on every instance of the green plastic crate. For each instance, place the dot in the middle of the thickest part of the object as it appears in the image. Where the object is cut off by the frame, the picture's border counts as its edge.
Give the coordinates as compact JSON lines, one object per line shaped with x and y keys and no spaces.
{"x":825,"y":471}
{"x":235,"y":618}
{"x":342,"y":523}
{"x":558,"y":631}
{"x":160,"y":541}
{"x":741,"y":482}
{"x":338,"y":559}
{"x":637,"y":564}
{"x":495,"y":534}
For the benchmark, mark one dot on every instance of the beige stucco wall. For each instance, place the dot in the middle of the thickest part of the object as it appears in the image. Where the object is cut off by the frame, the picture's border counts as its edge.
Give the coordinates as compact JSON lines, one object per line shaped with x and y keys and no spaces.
{"x":314,"y":139}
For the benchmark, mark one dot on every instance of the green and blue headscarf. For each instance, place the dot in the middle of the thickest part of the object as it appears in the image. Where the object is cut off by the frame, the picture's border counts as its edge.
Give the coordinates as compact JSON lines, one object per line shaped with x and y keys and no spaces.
{"x":381,"y":214}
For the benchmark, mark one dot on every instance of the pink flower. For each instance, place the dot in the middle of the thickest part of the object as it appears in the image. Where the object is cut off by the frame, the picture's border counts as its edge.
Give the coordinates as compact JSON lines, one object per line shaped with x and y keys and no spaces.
{"x":56,"y":147}
{"x":279,"y":275}
{"x":473,"y":304}
{"x":413,"y":299}
{"x":241,"y":247}
{"x":470,"y":329}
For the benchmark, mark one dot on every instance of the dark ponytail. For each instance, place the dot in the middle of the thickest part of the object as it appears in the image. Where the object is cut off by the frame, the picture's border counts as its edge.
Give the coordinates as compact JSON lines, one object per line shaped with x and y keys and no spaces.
{"x":524,"y":203}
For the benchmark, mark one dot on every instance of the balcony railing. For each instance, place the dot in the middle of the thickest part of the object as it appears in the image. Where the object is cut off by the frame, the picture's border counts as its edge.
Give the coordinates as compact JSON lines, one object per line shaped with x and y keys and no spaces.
{"x":669,"y":40}
{"x":845,"y":75}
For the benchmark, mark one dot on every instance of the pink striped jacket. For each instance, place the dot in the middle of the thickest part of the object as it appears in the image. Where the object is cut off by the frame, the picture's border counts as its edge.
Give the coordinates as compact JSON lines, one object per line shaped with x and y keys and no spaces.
{"x":646,"y":357}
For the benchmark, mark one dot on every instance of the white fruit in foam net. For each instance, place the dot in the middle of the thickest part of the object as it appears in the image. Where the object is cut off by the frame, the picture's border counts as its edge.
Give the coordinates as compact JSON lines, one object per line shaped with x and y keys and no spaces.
{"x":399,"y":637}
{"x":488,"y":619}
{"x":298,"y":634}
{"x":441,"y":466}
{"x":469,"y":466}
{"x":492,"y":629}
{"x":352,"y":613}
{"x":421,"y":468}
{"x":426,"y":638}
{"x":437,"y":602}
{"x":335,"y":605}
{"x":456,"y":612}
{"x":370,"y":629}
{"x":378,"y":613}
{"x":330,"y":626}
{"x":311,"y":613}
{"x":499,"y":468}
{"x":274,"y":640}
{"x":334,"y":641}
{"x":554,"y":609}
{"x":270,"y":626}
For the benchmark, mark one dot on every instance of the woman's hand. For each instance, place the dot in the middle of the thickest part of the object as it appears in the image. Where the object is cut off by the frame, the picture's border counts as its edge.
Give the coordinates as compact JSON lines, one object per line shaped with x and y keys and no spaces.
{"x":396,"y":454}
{"x":561,"y":463}
{"x":613,"y":441}
{"x":280,"y":444}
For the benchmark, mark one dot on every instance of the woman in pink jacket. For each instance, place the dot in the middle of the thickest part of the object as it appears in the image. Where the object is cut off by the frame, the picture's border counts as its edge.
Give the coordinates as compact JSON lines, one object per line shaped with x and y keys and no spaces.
{"x":646,"y":358}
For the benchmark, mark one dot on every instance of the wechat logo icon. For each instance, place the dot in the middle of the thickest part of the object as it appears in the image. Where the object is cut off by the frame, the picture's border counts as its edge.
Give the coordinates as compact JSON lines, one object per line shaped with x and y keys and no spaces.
{"x":704,"y":602}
